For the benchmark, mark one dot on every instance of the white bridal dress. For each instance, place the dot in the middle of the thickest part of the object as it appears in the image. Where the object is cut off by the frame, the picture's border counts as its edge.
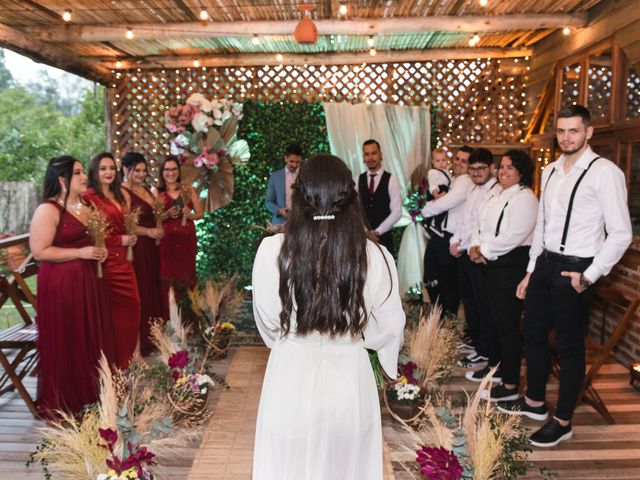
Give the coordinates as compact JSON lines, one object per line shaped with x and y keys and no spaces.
{"x":319,"y":416}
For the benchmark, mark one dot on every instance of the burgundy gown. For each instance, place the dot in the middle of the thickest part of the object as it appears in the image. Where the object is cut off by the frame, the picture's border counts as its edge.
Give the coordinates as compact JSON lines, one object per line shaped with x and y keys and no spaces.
{"x":146,"y":263}
{"x":124,"y":301}
{"x":178,"y":250}
{"x":73,"y":323}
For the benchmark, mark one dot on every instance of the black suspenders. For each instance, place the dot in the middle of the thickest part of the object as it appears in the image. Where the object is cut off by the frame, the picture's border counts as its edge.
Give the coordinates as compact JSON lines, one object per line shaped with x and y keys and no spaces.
{"x":502,"y":215}
{"x":565,"y":231}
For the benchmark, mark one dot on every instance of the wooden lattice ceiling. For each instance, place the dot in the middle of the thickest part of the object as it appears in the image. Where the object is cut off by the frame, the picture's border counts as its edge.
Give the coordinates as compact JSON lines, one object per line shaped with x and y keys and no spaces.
{"x":170,"y":34}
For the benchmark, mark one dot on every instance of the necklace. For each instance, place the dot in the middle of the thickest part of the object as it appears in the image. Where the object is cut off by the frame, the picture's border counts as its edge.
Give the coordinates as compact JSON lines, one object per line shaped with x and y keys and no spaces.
{"x":75,"y":208}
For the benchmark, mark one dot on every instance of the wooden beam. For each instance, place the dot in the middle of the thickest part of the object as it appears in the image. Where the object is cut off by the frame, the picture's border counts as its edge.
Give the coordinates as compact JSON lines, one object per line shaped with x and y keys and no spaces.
{"x":51,"y":55}
{"x":363,"y":26}
{"x":343,"y":58}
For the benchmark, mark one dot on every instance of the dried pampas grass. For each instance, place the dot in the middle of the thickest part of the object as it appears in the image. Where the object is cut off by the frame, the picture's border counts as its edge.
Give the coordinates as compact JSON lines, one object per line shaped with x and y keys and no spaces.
{"x":433,"y":347}
{"x":73,"y":447}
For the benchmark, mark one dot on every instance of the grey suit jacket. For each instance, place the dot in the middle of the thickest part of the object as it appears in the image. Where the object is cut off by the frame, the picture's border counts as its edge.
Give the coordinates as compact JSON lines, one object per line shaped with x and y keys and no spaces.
{"x":276,"y":196}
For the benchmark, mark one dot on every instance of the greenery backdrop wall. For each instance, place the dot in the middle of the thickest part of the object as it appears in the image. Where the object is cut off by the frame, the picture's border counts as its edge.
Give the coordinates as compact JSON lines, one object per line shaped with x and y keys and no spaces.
{"x":229,"y":237}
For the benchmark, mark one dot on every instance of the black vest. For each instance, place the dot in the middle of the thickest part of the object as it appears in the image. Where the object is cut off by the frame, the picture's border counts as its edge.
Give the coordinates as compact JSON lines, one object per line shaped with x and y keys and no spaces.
{"x":377,"y":206}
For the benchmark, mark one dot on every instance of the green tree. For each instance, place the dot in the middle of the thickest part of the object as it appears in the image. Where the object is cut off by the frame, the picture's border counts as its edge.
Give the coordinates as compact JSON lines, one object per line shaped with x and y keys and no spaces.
{"x":38,"y":131}
{"x":6,"y":79}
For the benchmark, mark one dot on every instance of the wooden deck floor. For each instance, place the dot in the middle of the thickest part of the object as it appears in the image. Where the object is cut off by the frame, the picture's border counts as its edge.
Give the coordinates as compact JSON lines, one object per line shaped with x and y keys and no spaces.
{"x":597,"y":451}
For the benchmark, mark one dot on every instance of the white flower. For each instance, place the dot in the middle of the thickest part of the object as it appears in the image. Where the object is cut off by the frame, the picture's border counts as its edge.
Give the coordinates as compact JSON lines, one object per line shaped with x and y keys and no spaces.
{"x":196,"y":99}
{"x":181,"y":140}
{"x":201,"y":122}
{"x":204,"y":380}
{"x":102,"y":476}
{"x":175,"y":149}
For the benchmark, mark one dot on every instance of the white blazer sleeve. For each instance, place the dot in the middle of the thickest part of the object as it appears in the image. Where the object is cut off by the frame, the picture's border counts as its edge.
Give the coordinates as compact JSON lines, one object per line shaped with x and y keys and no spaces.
{"x":385,"y":326}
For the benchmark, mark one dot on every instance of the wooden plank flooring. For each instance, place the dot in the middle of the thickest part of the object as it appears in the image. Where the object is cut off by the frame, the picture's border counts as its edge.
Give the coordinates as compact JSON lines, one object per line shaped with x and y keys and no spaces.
{"x":597,"y":451}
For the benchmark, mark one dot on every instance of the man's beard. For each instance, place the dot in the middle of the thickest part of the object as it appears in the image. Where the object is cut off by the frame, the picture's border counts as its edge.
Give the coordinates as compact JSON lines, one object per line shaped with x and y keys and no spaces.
{"x":571,"y":152}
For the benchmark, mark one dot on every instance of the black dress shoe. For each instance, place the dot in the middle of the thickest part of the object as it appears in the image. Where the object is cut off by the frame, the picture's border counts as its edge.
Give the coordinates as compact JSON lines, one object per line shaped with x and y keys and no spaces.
{"x":551,"y":434}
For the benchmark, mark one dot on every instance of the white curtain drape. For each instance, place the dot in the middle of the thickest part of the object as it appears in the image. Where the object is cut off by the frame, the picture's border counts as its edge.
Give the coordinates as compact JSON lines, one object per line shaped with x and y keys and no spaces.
{"x":404,"y":134}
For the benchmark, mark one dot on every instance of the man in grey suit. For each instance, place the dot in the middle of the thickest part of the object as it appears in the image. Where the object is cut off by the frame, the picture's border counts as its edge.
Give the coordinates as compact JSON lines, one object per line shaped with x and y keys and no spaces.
{"x":278,"y":199}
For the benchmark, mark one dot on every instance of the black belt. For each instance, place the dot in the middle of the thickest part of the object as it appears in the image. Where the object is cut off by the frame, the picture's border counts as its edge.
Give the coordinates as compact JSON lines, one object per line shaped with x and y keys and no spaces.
{"x":559,"y":257}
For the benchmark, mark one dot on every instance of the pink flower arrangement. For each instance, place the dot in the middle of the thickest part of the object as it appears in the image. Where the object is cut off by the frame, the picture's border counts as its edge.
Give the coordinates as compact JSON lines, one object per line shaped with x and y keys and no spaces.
{"x":179,"y":118}
{"x":439,"y":464}
{"x":209,"y":159}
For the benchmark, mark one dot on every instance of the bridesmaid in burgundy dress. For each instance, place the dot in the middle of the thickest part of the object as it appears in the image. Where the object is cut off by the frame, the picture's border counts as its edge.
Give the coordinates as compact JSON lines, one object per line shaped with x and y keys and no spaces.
{"x":146,"y":256}
{"x":73,"y":317}
{"x":179,"y":246}
{"x":124,"y":302}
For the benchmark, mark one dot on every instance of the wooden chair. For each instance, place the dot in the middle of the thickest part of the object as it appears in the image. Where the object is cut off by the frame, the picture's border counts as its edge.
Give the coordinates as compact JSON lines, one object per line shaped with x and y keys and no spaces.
{"x":18,"y":355}
{"x":601,"y":351}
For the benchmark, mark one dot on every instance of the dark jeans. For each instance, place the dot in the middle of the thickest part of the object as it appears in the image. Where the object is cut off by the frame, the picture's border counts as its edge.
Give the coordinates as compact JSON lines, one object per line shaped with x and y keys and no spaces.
{"x":505,"y":311}
{"x":441,"y":274}
{"x":469,"y":295}
{"x":551,"y":302}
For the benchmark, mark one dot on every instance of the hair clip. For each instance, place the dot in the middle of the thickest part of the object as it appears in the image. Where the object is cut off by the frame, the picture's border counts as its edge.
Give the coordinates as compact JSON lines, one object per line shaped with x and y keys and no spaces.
{"x":324,"y":217}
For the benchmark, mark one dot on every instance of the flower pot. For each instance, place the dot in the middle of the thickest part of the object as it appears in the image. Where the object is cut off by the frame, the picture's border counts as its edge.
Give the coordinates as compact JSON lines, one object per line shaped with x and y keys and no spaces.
{"x":401,"y":410}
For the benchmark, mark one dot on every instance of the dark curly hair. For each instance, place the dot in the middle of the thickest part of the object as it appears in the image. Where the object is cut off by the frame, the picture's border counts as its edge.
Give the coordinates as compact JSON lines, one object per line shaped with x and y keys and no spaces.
{"x":323,"y":262}
{"x":523,"y":164}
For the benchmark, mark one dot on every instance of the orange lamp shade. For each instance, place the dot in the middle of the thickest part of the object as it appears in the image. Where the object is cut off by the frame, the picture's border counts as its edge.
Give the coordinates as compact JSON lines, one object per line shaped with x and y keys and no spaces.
{"x":306,"y":31}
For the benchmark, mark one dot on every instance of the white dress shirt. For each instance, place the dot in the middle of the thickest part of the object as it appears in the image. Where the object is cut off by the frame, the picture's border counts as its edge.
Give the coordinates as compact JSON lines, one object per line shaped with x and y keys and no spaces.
{"x":395,"y":195}
{"x":600,"y":204}
{"x":518,"y":206}
{"x":464,"y":228}
{"x":437,"y":177}
{"x":452,"y":202}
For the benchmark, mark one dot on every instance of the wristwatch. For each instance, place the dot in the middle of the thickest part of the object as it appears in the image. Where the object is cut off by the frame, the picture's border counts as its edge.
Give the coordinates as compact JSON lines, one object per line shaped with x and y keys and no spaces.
{"x":584,"y":281}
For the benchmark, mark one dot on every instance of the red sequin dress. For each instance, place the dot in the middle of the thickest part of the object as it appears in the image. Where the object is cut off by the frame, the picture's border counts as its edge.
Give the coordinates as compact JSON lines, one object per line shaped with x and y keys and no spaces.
{"x":74,"y":325}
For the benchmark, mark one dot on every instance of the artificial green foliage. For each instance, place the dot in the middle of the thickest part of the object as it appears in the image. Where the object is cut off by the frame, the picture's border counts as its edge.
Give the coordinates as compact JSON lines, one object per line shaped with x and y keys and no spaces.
{"x":228,"y":238}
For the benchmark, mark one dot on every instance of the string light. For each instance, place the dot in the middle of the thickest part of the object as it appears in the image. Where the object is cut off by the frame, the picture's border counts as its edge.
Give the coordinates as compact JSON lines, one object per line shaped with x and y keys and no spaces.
{"x":129,"y":33}
{"x":483,"y":3}
{"x":118,"y":64}
{"x":66,"y":15}
{"x":255,"y":40}
{"x":279,"y":57}
{"x":566,"y":31}
{"x":204,"y":15}
{"x":370,"y":41}
{"x":196,"y":63}
{"x":372,"y":52}
{"x":342,"y":10}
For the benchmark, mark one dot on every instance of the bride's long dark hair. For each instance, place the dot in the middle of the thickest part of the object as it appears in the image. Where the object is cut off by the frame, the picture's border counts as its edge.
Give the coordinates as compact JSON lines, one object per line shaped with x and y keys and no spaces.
{"x":323,"y":262}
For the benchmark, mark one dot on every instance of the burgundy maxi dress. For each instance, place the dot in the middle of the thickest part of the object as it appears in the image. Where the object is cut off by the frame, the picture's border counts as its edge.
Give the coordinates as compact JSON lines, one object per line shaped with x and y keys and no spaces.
{"x":178,"y":249}
{"x":74,"y":325}
{"x":146,"y":263}
{"x":124,"y":301}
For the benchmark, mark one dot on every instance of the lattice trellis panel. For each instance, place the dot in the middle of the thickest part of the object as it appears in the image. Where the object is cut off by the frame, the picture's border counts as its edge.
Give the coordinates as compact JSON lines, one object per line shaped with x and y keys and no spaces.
{"x":476,"y":101}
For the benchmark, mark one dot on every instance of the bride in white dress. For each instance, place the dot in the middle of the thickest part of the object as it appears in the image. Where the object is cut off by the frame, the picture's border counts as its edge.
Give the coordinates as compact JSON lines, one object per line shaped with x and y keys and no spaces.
{"x":322,"y":295}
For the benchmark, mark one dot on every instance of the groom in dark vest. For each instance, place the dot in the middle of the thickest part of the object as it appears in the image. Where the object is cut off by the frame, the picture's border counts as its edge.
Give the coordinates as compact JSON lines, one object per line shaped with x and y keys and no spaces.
{"x":379,"y":195}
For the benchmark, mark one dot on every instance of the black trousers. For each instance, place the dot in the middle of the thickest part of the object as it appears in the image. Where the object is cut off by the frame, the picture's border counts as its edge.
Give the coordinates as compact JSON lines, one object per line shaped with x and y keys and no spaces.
{"x":551,"y":302}
{"x":469,"y":296}
{"x":441,"y":274}
{"x":505,"y":311}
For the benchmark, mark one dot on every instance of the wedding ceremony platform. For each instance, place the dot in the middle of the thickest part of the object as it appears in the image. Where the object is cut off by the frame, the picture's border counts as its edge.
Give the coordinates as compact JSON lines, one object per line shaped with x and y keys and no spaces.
{"x":224,"y":450}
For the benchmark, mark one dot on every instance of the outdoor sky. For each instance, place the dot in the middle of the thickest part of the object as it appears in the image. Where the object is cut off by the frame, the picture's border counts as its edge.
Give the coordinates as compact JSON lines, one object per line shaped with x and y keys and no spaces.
{"x":24,"y":69}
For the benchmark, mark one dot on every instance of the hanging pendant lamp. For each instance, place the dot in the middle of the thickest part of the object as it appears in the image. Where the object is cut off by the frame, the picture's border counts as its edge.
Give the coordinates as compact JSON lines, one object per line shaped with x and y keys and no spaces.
{"x":306,"y":31}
